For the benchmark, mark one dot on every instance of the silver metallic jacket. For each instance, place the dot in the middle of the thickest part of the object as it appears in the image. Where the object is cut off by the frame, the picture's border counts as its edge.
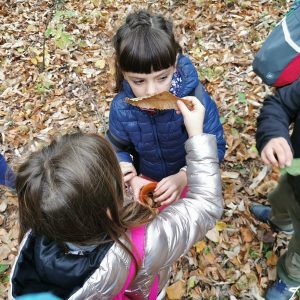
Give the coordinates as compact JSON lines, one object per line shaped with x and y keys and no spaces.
{"x":171,"y":234}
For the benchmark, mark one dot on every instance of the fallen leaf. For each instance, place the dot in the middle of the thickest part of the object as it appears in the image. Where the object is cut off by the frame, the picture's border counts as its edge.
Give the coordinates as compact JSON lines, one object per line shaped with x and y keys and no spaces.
{"x":100,"y":63}
{"x":4,"y":252}
{"x":272,"y":259}
{"x":200,"y":246}
{"x":176,"y":290}
{"x":231,"y":175}
{"x":247,"y":234}
{"x":220,"y":226}
{"x":213,"y":235}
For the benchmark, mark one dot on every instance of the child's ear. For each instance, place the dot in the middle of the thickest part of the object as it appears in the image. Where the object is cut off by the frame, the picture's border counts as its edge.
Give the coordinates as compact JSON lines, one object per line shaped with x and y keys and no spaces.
{"x":124,"y":75}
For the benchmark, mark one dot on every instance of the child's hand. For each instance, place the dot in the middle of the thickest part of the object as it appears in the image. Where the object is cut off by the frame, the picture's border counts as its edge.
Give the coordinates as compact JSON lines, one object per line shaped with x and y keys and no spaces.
{"x":193,"y":119}
{"x":277,"y":152}
{"x":128,"y":171}
{"x":169,"y":189}
{"x":136,"y":184}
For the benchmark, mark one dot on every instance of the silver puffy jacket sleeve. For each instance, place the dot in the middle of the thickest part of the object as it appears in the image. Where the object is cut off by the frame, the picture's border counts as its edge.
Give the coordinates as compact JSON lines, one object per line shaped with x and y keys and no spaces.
{"x":172,"y":233}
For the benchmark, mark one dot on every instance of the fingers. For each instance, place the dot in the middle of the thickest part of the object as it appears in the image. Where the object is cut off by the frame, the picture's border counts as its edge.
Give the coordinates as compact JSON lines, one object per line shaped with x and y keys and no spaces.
{"x":173,"y":198}
{"x":136,"y":184}
{"x":164,"y":196}
{"x":160,"y":187}
{"x":288,"y":154}
{"x":281,"y":155}
{"x":182,"y":108}
{"x":166,"y":192}
{"x":277,"y":153}
{"x":128,"y":171}
{"x":196,"y":104}
{"x":193,"y":119}
{"x":266,"y":159}
{"x":129,"y":176}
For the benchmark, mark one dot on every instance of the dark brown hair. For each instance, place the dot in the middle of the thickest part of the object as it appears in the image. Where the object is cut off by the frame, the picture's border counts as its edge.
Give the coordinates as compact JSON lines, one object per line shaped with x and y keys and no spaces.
{"x":145,"y":43}
{"x":72,"y":191}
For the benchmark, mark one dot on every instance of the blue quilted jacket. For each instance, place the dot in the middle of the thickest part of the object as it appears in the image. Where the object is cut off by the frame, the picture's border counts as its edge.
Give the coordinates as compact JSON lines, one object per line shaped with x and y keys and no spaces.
{"x":7,"y":176}
{"x":155,"y":143}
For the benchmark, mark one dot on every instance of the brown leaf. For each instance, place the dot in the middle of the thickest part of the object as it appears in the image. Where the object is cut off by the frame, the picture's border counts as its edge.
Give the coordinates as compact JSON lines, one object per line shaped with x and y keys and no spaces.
{"x":272,"y":260}
{"x":176,"y":290}
{"x":247,"y":234}
{"x":164,"y":100}
{"x":4,"y":252}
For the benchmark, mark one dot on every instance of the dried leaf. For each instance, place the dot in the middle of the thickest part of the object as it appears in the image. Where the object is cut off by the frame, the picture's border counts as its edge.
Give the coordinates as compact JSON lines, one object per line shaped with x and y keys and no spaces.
{"x":220,"y":226}
{"x":164,"y":100}
{"x":272,"y":259}
{"x":176,"y":290}
{"x":200,"y":246}
{"x":213,"y":235}
{"x":100,"y":63}
{"x":247,"y":234}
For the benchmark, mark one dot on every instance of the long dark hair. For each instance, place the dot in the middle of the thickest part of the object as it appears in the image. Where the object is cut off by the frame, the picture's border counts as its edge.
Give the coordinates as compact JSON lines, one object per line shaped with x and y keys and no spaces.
{"x":143,"y":44}
{"x":72,"y":191}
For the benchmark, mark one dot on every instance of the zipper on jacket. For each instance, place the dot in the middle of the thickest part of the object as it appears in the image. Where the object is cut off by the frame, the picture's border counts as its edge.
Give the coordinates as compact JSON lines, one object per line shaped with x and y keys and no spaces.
{"x":158,"y":146}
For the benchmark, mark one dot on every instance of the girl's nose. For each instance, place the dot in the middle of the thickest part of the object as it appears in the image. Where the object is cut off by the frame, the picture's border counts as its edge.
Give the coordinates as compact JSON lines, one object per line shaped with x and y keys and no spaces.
{"x":150,"y":89}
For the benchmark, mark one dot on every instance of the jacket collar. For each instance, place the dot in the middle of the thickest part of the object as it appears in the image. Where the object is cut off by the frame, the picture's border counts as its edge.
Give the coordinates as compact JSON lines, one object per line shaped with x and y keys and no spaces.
{"x":50,"y":267}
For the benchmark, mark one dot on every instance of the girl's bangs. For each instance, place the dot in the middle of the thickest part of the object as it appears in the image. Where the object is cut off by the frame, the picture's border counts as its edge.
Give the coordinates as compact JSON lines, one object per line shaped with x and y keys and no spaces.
{"x":146,"y":53}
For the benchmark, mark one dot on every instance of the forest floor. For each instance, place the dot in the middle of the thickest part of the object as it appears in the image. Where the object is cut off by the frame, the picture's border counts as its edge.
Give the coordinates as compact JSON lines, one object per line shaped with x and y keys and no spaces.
{"x":57,"y":75}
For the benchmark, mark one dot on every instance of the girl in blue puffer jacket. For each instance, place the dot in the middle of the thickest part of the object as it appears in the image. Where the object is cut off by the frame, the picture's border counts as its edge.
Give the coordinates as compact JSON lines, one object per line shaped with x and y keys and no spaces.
{"x":151,"y":143}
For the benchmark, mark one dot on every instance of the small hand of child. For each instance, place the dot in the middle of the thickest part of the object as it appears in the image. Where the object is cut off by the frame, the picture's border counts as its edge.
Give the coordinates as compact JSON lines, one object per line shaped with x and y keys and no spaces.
{"x":128,"y":171}
{"x":277,"y":152}
{"x":136,"y":184}
{"x":193,"y":119}
{"x":169,"y":189}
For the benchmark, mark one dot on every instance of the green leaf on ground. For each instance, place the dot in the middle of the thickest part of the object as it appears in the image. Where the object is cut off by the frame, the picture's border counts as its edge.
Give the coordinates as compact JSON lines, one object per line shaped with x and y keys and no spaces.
{"x":242,"y":98}
{"x":3,"y":268}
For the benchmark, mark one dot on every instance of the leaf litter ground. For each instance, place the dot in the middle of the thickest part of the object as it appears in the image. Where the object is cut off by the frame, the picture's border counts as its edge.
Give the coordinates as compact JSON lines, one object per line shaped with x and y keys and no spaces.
{"x":57,"y":75}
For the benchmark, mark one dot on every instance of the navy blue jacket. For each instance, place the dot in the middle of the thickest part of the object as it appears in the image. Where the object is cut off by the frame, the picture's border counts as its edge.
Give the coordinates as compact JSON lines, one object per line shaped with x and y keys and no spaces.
{"x":44,"y":266}
{"x":279,"y":111}
{"x":156,"y":142}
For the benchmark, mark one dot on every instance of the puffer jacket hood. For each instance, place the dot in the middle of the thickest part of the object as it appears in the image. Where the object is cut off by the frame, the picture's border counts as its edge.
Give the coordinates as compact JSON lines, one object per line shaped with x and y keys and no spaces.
{"x":44,"y":266}
{"x":157,"y":141}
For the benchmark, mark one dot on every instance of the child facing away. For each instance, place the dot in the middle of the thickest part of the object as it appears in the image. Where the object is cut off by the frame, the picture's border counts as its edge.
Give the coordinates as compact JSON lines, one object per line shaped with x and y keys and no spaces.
{"x":80,"y":242}
{"x":151,"y":143}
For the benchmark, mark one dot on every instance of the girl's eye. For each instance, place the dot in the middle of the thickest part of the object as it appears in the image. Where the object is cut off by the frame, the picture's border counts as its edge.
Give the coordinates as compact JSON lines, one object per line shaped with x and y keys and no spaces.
{"x":162,"y":78}
{"x":138,"y":82}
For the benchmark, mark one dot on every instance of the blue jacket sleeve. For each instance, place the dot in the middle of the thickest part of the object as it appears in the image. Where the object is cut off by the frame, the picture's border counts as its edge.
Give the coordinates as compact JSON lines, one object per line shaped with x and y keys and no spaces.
{"x":212,"y":124}
{"x":118,"y":133}
{"x":7,"y":176}
{"x":278,"y":112}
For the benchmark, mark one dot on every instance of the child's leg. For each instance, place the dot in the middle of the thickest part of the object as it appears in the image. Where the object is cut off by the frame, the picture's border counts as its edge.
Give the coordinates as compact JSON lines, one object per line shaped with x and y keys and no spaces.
{"x":289,"y":264}
{"x":280,"y":199}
